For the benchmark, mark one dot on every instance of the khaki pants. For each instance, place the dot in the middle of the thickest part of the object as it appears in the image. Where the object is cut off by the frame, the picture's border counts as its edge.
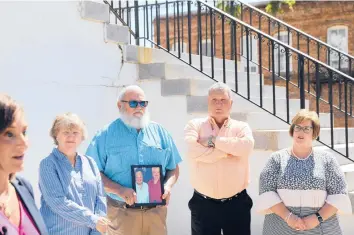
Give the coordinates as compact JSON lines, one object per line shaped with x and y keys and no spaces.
{"x":128,"y":221}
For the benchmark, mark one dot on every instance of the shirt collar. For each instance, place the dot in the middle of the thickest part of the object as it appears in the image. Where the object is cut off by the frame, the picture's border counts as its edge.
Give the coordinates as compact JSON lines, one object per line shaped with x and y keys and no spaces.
{"x":60,"y":156}
{"x":131,"y":129}
{"x":226,"y":122}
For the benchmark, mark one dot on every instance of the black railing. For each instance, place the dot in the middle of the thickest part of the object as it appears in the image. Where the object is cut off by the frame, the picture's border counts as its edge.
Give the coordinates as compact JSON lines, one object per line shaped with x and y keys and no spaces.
{"x":294,"y":37}
{"x":304,"y":42}
{"x":202,"y":36}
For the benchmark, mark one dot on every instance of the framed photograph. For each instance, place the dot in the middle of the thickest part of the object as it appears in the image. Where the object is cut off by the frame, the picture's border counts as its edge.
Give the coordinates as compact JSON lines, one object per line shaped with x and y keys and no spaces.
{"x":148,"y":185}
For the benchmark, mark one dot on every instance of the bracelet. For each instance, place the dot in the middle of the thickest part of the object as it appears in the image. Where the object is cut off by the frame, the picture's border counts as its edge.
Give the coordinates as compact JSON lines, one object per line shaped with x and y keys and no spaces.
{"x":288,"y":217}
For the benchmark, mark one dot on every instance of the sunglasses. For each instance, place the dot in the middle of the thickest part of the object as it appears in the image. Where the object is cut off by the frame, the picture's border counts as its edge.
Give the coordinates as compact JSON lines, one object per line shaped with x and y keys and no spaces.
{"x":135,"y":103}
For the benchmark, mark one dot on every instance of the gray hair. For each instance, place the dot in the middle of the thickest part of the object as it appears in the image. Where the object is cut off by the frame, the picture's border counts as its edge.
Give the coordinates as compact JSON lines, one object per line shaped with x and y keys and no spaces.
{"x":126,"y":89}
{"x":67,"y":120}
{"x":220,"y":86}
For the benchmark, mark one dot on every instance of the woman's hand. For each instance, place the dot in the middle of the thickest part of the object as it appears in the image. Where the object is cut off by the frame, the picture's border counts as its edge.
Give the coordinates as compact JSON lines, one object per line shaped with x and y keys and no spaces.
{"x":311,"y":222}
{"x":296,"y":223}
{"x":102,"y":225}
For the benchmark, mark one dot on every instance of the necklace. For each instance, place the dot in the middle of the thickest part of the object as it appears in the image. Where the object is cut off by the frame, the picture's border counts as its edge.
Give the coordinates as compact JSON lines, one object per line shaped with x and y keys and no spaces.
{"x":3,"y":204}
{"x":292,"y":151}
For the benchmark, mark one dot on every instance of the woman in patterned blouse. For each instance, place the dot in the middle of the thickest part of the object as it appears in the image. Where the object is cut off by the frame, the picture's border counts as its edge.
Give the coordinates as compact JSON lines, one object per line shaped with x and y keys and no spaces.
{"x":302,"y":190}
{"x":72,"y":199}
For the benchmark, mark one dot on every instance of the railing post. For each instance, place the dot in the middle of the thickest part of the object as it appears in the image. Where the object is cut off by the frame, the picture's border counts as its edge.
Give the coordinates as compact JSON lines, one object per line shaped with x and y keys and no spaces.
{"x":189,"y":32}
{"x":301,"y":81}
{"x":136,"y":9}
{"x":157,"y":17}
{"x":200,"y":36}
{"x":167,"y":28}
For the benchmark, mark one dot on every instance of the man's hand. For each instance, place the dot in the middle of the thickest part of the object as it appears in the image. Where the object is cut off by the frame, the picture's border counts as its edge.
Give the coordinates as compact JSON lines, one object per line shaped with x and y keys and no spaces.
{"x":102,"y":225}
{"x":311,"y":221}
{"x":205,"y":141}
{"x":128,"y":195}
{"x":167,"y":194}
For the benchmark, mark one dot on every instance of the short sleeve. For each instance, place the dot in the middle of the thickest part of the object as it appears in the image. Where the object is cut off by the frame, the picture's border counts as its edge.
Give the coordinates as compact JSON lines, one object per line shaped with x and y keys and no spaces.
{"x":97,"y":150}
{"x":336,"y":187}
{"x":175,"y":158}
{"x":268,"y":195}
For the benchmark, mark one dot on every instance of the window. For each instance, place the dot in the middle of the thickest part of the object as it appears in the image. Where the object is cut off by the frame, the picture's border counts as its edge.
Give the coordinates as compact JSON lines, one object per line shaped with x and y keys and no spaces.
{"x":206,"y":48}
{"x":252,"y":53}
{"x":183,"y":47}
{"x":280,"y":55}
{"x":337,"y":37}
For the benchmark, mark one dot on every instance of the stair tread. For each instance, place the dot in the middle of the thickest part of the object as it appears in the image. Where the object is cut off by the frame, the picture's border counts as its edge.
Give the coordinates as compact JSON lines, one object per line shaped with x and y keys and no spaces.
{"x":347,"y":168}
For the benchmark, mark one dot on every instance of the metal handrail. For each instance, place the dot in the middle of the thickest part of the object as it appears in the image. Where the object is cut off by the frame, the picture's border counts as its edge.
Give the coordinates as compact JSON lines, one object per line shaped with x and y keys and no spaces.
{"x":297,"y":30}
{"x":276,"y":40}
{"x":273,"y":43}
{"x":112,"y":10}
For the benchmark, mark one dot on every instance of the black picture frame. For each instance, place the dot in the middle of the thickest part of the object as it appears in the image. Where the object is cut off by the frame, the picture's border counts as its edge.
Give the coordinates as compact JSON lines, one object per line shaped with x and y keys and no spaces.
{"x":147,"y":172}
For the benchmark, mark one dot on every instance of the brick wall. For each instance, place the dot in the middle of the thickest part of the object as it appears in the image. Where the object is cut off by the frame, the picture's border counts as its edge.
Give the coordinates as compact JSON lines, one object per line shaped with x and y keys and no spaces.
{"x":313,"y":18}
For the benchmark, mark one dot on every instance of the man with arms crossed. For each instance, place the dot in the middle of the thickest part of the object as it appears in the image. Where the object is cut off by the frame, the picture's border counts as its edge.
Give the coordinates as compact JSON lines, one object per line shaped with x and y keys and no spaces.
{"x":133,"y":140}
{"x":218,"y":152}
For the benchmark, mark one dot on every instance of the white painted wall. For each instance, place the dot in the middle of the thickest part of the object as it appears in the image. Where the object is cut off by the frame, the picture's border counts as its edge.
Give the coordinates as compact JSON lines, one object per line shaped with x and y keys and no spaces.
{"x":52,"y":62}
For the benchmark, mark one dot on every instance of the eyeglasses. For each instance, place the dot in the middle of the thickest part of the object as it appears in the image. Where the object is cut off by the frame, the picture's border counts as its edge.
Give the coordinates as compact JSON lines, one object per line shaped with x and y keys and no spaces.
{"x":135,"y":103}
{"x":305,"y":129}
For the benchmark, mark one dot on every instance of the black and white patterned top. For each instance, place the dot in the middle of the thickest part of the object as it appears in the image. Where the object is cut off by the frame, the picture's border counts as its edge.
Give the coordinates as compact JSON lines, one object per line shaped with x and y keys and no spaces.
{"x":304,"y":186}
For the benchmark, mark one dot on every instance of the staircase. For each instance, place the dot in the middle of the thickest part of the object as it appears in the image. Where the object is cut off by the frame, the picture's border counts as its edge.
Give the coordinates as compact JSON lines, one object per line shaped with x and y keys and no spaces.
{"x":176,"y":86}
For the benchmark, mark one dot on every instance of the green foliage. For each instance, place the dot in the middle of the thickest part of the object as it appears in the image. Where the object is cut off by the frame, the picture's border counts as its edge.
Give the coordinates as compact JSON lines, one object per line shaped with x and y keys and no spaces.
{"x":273,"y":7}
{"x":232,"y":9}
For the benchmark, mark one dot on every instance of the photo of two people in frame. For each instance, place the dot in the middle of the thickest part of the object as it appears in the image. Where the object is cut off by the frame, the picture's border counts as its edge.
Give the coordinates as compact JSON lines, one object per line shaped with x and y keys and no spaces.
{"x":148,"y":185}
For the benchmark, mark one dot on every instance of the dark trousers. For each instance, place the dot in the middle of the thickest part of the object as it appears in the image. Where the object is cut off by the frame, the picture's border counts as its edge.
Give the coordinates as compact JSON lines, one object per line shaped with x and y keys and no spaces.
{"x":209,"y":217}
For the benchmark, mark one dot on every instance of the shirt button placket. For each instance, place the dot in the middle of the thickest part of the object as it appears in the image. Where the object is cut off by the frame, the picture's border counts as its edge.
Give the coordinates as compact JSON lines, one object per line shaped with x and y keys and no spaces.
{"x":140,"y":154}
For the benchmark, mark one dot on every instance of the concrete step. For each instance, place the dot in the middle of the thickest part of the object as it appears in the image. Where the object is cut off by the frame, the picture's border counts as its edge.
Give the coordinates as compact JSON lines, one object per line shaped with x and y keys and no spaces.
{"x":279,"y":139}
{"x":351,"y":196}
{"x":348,"y":170}
{"x":177,"y":71}
{"x":134,"y":54}
{"x":185,"y":86}
{"x":271,"y":122}
{"x":94,"y":11}
{"x":197,"y":104}
{"x":116,"y":34}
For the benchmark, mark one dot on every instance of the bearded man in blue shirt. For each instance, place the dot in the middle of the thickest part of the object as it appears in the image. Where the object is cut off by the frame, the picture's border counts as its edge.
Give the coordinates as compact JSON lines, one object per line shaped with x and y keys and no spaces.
{"x":130,"y":140}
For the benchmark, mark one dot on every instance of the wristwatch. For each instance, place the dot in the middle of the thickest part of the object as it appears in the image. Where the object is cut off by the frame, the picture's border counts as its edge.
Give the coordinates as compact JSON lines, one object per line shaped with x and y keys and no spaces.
{"x":319,"y":217}
{"x":210,"y":142}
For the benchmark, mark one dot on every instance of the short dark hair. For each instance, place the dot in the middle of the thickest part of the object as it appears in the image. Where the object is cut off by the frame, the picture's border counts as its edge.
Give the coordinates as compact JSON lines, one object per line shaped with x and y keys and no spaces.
{"x":8,"y":108}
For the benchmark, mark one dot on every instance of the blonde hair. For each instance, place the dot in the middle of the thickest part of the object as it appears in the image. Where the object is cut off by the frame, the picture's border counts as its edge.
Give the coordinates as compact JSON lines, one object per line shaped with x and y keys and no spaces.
{"x":306,"y":115}
{"x":67,"y":120}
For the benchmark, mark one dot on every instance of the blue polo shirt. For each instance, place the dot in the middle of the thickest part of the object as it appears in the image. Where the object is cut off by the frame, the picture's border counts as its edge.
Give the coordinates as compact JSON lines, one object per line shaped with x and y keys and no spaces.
{"x":117,"y":146}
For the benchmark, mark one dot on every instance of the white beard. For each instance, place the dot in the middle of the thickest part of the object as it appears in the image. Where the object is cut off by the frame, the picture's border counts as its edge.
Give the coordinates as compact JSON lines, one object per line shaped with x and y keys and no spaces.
{"x":133,"y":121}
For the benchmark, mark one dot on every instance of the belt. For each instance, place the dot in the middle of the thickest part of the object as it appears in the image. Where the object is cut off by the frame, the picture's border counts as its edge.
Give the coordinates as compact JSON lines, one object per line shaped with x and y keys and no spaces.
{"x":222,"y":199}
{"x":139,"y":207}
{"x":120,"y":204}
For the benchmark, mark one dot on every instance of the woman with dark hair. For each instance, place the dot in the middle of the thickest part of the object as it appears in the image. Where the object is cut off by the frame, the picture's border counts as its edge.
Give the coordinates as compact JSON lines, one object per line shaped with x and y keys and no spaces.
{"x":18,"y":211}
